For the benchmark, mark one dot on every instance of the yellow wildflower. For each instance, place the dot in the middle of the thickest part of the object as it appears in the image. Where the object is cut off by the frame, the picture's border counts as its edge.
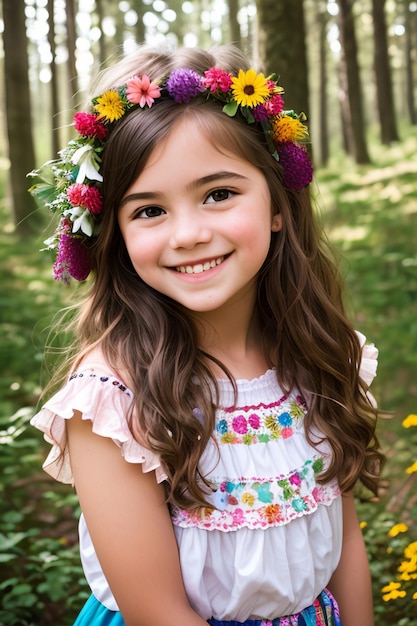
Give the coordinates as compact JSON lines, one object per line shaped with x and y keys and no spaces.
{"x":286,"y":128}
{"x":415,"y":596}
{"x":397,"y":529}
{"x":410,"y":551}
{"x":110,"y":106}
{"x":249,"y":88}
{"x":410,"y":420}
{"x":412,"y":468}
{"x":392,"y":591}
{"x":363,"y":525}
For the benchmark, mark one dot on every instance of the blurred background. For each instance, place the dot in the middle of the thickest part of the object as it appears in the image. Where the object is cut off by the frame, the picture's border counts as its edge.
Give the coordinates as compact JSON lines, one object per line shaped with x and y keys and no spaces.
{"x":351,"y":66}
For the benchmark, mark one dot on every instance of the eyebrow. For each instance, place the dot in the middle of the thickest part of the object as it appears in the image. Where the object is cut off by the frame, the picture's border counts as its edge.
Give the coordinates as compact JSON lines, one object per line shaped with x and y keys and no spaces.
{"x":199,"y":182}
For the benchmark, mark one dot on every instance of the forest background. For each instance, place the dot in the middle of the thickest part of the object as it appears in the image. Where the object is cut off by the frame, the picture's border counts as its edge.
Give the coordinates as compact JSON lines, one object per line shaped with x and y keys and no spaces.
{"x":351,"y":66}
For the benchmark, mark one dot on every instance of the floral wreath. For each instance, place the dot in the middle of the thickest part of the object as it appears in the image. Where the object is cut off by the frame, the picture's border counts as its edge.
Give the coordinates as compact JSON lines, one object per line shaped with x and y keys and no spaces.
{"x":71,"y":185}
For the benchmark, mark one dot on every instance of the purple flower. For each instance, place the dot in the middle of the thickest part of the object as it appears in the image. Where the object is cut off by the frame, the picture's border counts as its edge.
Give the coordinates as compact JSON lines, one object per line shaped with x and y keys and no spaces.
{"x":260,"y":113}
{"x":184,"y":84}
{"x":298,"y":171}
{"x":71,"y":260}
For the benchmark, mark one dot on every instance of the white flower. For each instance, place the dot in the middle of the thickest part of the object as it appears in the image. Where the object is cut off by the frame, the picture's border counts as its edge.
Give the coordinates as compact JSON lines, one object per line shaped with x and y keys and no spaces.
{"x":81,"y":220}
{"x":89,"y":163}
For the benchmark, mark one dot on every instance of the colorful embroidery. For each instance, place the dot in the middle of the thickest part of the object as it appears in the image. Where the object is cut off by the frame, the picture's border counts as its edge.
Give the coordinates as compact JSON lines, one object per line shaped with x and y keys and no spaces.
{"x":259,"y":503}
{"x":103,"y":379}
{"x":261,"y":423}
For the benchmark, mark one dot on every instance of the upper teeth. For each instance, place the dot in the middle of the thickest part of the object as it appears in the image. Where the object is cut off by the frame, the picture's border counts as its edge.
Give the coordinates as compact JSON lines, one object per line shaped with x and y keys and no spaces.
{"x":200,"y":267}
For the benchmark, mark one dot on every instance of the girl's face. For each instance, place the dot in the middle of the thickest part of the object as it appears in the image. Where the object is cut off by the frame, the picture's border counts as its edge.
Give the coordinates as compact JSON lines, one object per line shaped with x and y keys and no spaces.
{"x":197,"y":222}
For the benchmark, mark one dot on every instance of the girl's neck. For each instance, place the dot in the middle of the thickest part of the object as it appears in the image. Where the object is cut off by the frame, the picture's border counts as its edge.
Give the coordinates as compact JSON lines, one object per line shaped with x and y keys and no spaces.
{"x":236,"y":342}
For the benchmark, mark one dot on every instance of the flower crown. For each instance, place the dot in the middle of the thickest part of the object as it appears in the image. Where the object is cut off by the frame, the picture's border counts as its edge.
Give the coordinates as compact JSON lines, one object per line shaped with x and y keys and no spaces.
{"x":70,"y":185}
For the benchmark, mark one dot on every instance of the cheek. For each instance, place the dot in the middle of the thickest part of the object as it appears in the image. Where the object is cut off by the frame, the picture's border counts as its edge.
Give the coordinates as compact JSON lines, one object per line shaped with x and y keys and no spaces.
{"x":143,"y":251}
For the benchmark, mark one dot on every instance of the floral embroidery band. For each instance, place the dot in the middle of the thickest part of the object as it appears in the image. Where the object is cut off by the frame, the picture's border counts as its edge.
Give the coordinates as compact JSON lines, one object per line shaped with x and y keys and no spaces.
{"x":261,"y":423}
{"x":261,"y":502}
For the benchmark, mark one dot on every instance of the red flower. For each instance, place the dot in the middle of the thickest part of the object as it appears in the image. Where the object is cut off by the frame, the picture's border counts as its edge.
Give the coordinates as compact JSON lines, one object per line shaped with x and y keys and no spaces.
{"x":85,"y":196}
{"x":88,"y":125}
{"x":217,"y":79}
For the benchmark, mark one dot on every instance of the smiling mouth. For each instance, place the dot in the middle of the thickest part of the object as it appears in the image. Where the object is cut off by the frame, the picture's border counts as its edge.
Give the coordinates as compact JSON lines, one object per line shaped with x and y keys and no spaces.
{"x":200,"y":267}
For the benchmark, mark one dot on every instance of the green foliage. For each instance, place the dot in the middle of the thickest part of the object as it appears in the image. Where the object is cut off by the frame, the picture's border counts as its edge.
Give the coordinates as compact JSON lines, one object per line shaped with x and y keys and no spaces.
{"x":370,"y":214}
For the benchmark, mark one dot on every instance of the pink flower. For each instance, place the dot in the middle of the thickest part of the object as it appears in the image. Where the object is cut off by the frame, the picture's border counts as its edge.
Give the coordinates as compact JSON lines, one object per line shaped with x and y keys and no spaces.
{"x":217,"y":79}
{"x":295,"y":480}
{"x":275,"y":105}
{"x":240,"y":425}
{"x":287,"y":432}
{"x":238,"y":517}
{"x":85,"y":196}
{"x":88,"y":125}
{"x":141,"y":91}
{"x":254,"y":420}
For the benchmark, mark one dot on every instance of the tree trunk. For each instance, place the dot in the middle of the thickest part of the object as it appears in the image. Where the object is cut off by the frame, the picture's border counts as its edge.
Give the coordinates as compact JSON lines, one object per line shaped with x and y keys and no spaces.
{"x":323,"y":109}
{"x":71,"y":38}
{"x":282,"y":48}
{"x":54,"y":79}
{"x":349,"y":60}
{"x":102,"y":40}
{"x":409,"y":24}
{"x":234,"y":26}
{"x":383,"y":76}
{"x":18,"y":115}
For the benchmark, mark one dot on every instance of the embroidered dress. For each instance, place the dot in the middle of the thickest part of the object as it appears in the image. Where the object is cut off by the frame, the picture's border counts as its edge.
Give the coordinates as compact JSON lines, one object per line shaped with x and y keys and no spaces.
{"x":267,"y":548}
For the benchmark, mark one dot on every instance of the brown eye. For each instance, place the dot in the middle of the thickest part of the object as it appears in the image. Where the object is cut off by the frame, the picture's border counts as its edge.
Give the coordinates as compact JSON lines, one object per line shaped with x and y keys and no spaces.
{"x":150,"y":211}
{"x":219,"y":195}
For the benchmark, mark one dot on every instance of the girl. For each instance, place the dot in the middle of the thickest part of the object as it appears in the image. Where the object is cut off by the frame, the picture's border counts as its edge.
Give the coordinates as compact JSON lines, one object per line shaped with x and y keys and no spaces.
{"x":216,"y":416}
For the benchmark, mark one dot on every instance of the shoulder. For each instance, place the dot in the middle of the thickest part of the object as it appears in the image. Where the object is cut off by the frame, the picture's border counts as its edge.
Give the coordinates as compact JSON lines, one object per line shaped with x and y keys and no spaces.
{"x":97,"y":394}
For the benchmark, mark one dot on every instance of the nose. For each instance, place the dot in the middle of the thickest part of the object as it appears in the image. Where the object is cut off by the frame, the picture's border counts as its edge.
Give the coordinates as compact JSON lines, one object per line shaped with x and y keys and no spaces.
{"x":189,"y":229}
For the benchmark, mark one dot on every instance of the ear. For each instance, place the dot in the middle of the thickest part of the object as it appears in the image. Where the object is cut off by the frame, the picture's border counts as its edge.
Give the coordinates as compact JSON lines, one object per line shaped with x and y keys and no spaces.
{"x":276,"y":224}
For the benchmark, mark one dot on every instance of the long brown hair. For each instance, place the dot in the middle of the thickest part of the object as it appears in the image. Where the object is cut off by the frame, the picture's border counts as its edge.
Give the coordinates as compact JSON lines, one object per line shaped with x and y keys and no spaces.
{"x":306,"y":335}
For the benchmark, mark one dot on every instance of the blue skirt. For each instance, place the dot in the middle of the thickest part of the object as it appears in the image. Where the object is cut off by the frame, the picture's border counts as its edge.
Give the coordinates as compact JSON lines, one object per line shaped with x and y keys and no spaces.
{"x":323,"y":612}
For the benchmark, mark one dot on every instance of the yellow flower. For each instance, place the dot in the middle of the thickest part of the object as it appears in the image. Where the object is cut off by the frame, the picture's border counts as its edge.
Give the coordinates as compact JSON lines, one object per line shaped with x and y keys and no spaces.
{"x":392,"y":592}
{"x":249,"y":88}
{"x":410,"y":551}
{"x":271,"y":423}
{"x":248,"y":498}
{"x":410,"y":420}
{"x":415,"y":596}
{"x":397,"y":529}
{"x":412,"y":468}
{"x":227,"y":438}
{"x":287,"y":128}
{"x":110,"y":106}
{"x":363,"y":525}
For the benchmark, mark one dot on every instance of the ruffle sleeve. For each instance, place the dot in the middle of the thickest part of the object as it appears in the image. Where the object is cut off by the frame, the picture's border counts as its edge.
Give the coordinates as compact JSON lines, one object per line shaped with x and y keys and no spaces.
{"x":106,"y":402}
{"x":369,"y":361}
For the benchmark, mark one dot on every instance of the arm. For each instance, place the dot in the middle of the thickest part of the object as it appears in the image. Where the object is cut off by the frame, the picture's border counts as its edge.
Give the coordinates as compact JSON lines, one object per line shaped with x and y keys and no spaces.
{"x":131,"y":529}
{"x":351,"y":582}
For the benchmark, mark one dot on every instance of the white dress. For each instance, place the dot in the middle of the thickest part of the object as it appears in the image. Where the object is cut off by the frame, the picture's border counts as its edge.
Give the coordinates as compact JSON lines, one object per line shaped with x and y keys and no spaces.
{"x":274,"y":538}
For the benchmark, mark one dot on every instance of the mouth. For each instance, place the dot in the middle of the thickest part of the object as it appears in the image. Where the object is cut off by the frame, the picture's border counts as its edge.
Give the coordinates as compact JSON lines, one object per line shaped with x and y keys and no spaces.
{"x":199,"y":268}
